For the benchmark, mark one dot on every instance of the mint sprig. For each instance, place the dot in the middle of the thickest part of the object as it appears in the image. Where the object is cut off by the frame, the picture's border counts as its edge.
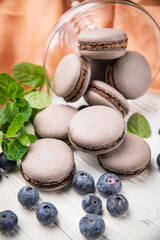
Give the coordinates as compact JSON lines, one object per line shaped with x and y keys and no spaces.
{"x":20,"y":108}
{"x":138,"y":124}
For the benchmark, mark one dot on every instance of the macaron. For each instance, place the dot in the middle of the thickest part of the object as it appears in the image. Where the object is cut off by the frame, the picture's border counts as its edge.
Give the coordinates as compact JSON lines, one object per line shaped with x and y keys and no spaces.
{"x":53,"y":122}
{"x":48,"y":164}
{"x":131,"y":157}
{"x":98,"y":68}
{"x":72,"y":77}
{"x":102,"y":43}
{"x":130,"y":75}
{"x":96,"y":129}
{"x":100,"y":93}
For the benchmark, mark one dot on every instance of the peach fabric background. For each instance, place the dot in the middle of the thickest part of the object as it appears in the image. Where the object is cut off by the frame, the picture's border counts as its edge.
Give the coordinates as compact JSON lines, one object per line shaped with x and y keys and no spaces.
{"x":25,"y":25}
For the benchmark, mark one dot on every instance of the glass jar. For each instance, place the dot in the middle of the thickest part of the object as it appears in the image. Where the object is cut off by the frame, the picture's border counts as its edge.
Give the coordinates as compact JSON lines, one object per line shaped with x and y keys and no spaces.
{"x":126,"y":15}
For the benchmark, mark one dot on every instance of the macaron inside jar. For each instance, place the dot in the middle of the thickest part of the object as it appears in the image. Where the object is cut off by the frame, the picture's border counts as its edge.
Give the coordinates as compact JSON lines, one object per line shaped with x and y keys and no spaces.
{"x":102,"y":43}
{"x":130,"y":75}
{"x":100,"y":93}
{"x":72,"y":77}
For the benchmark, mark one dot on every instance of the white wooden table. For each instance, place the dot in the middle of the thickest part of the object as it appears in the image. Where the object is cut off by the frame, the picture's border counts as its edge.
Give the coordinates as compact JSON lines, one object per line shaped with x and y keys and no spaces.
{"x":142,"y":222}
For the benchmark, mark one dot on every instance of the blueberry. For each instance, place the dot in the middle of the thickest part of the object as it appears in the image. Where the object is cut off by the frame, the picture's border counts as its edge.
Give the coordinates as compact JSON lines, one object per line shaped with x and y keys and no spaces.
{"x":46,"y":213}
{"x":108,"y":184}
{"x":6,"y":164}
{"x":158,"y":160}
{"x":92,"y":226}
{"x":8,"y":221}
{"x":28,"y":196}
{"x":117,"y":204}
{"x":82,"y":107}
{"x":91,"y":203}
{"x":83,"y":182}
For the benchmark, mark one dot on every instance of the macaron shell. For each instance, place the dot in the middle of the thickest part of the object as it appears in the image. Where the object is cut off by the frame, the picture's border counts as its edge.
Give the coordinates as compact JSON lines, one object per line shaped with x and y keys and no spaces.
{"x":95,"y":127}
{"x":99,"y":98}
{"x":67,"y":74}
{"x":131,"y":75}
{"x":51,"y":123}
{"x":132,"y":156}
{"x":48,"y":160}
{"x":102,"y":36}
{"x":93,"y":98}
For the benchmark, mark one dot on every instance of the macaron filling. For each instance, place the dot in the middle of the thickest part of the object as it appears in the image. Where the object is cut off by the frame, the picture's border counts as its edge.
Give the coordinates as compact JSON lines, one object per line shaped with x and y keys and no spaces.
{"x":99,"y":148}
{"x":80,"y":82}
{"x":112,"y":99}
{"x":126,"y":172}
{"x":110,"y":76}
{"x":48,"y":185}
{"x":94,"y":46}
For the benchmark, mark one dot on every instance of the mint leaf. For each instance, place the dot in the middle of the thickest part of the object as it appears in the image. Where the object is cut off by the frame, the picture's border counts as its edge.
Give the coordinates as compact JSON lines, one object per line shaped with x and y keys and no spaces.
{"x":139,"y":125}
{"x":15,"y":90}
{"x":6,"y":80}
{"x":3,"y":115}
{"x":27,"y":111}
{"x":3,"y":96}
{"x":11,"y":110}
{"x":4,"y":127}
{"x":26,"y":139}
{"x":15,"y":125}
{"x":29,"y":74}
{"x":5,"y":144}
{"x":38,"y":100}
{"x":22,"y":130}
{"x":16,"y":149}
{"x":21,"y":102}
{"x":159,"y":131}
{"x":1,"y":137}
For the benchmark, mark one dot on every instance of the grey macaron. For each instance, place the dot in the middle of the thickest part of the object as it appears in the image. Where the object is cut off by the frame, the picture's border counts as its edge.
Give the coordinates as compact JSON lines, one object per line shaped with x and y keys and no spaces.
{"x":100,"y":93}
{"x":96,"y":129}
{"x":102,"y":43}
{"x":130,"y":75}
{"x":48,"y":164}
{"x":72,"y":77}
{"x":131,"y":157}
{"x":53,"y":122}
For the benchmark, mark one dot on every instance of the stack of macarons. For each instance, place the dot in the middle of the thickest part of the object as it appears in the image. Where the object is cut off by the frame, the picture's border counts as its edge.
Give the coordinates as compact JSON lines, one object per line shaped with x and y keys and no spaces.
{"x":106,"y":76}
{"x":102,"y":60}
